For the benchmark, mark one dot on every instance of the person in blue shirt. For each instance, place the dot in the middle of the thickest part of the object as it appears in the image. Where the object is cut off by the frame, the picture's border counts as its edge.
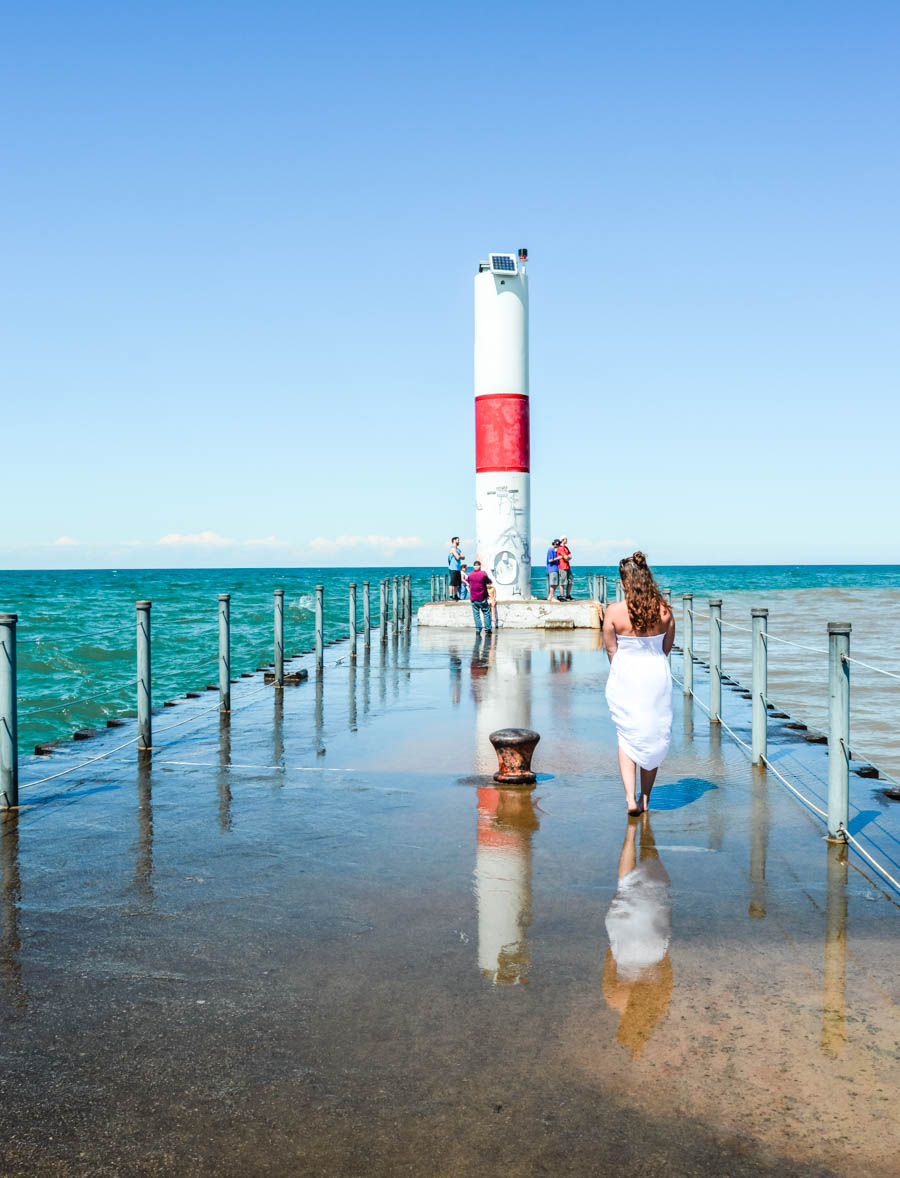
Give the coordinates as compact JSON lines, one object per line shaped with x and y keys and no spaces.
{"x":552,"y":571}
{"x":454,"y":560}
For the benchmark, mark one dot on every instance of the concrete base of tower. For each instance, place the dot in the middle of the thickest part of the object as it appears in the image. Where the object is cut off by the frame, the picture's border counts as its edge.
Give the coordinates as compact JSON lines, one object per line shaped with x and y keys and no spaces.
{"x":516,"y":615}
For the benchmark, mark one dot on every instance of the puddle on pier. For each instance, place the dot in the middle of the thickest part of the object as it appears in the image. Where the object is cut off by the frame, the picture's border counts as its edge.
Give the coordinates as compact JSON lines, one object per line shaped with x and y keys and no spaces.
{"x":315,"y":938}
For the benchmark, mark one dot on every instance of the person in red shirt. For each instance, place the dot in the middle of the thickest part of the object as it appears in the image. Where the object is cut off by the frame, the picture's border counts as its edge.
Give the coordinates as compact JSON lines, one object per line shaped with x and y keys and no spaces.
{"x":565,"y":570}
{"x":478,"y":595}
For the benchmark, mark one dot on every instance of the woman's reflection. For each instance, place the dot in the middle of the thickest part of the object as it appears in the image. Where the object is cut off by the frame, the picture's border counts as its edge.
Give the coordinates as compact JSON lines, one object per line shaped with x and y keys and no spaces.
{"x":506,"y":822}
{"x":637,"y":975}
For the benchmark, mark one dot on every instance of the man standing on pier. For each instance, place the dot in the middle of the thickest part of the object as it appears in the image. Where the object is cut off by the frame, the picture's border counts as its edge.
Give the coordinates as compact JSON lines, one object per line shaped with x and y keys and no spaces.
{"x":552,"y":570}
{"x":454,"y":560}
{"x":478,"y":595}
{"x":565,"y":570}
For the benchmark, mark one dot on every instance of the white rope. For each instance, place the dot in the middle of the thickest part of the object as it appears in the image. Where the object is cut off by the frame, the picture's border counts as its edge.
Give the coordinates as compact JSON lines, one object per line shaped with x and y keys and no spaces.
{"x":786,"y":642}
{"x":72,"y":768}
{"x":847,"y":659}
{"x":801,"y":797}
{"x":735,"y":736}
{"x":805,"y":800}
{"x":73,"y":703}
{"x":735,"y":626}
{"x":850,"y":839}
{"x":118,"y":748}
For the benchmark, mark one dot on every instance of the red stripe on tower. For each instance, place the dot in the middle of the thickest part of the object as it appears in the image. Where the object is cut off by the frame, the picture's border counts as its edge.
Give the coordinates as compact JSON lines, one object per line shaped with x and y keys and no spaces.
{"x":502,"y":432}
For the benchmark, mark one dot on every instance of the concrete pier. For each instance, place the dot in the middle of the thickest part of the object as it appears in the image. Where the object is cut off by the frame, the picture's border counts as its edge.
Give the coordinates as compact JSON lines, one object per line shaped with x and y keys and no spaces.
{"x":315,"y":938}
{"x":535,"y":614}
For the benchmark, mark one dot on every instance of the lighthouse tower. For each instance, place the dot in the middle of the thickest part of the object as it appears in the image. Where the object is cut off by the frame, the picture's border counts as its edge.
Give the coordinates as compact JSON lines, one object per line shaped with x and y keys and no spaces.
{"x":502,"y":433}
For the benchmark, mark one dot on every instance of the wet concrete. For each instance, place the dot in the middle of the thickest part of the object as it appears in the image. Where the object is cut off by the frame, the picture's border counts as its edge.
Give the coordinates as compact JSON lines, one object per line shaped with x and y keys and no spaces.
{"x":314,"y":938}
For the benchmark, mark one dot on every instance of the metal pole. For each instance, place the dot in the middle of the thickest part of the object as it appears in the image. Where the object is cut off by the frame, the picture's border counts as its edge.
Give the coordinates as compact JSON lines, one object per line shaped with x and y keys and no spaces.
{"x":145,"y":732}
{"x":320,"y":626}
{"x":715,"y":660}
{"x":620,"y":592}
{"x":353,"y":619}
{"x":603,"y":588}
{"x":759,"y":625}
{"x":839,"y":729}
{"x":394,"y":618}
{"x":9,"y":715}
{"x":224,"y":652}
{"x":409,"y":601}
{"x":687,"y":603}
{"x":382,"y":612}
{"x":446,"y":586}
{"x":367,"y":616}
{"x":279,"y":638}
{"x":667,"y":594}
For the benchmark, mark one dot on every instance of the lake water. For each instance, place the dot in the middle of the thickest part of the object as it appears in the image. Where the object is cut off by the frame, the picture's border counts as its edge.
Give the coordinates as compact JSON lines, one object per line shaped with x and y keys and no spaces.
{"x":77,"y":633}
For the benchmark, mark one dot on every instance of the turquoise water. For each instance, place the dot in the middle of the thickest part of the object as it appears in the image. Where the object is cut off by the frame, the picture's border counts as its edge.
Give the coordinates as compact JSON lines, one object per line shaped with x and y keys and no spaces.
{"x":77,"y":629}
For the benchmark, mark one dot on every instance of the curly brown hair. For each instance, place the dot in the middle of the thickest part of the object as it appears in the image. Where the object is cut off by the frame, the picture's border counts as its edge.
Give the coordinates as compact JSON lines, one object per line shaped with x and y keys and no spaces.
{"x":646,"y":605}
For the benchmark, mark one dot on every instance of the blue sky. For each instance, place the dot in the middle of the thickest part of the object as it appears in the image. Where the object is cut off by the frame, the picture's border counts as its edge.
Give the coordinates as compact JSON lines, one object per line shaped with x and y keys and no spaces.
{"x":239,"y":243}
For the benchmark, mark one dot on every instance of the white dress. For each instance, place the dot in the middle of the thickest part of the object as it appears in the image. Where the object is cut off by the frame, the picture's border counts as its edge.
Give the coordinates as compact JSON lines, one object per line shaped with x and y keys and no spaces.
{"x":639,"y":920}
{"x":639,"y":694}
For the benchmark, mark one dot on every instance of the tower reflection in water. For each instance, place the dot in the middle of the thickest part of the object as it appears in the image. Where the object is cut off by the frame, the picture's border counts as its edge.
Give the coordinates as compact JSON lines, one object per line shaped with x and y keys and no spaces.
{"x":500,"y":677}
{"x":506,"y":822}
{"x":637,"y":975}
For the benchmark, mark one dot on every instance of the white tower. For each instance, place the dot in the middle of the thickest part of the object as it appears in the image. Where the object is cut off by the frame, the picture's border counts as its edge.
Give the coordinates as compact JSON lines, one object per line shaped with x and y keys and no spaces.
{"x":502,"y":431}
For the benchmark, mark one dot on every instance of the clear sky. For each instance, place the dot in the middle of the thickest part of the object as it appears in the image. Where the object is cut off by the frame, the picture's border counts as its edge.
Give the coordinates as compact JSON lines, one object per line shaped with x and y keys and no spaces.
{"x":239,"y":242}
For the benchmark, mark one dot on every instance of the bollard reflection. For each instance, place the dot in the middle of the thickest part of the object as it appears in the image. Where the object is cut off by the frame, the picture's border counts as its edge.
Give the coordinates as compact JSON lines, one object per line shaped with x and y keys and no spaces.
{"x":143,"y":847}
{"x":367,"y":678}
{"x":351,"y":703}
{"x":277,"y":732}
{"x":834,"y":1007}
{"x":637,"y":974}
{"x":10,"y":900}
{"x":223,"y":784}
{"x":715,"y":809}
{"x":759,"y":842}
{"x":506,"y":823}
{"x":320,"y":715}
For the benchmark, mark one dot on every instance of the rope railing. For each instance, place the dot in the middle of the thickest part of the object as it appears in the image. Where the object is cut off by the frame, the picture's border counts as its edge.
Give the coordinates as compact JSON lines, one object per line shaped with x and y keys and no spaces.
{"x":75,"y":702}
{"x":118,"y":748}
{"x":880,"y":670}
{"x":837,"y":814}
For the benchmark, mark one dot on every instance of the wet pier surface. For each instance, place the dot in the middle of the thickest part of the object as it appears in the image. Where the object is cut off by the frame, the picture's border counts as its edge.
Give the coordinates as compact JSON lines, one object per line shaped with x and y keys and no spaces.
{"x":312,"y":938}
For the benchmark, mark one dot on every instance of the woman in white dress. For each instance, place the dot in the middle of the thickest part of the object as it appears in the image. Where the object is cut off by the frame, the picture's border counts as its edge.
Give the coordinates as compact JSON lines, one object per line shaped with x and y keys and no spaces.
{"x":638,"y":634}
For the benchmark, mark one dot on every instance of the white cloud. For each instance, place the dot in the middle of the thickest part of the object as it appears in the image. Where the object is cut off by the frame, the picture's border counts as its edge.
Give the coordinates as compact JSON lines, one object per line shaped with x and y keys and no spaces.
{"x":66,"y":542}
{"x":386,"y":544}
{"x":267,"y":542}
{"x":211,"y":538}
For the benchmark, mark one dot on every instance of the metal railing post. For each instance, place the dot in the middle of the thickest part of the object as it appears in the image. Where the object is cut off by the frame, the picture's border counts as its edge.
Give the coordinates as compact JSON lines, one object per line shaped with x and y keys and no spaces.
{"x":432,"y":587}
{"x":352,"y":608}
{"x":620,"y":592}
{"x":145,"y":728}
{"x":409,"y":601}
{"x":446,"y":586}
{"x":320,"y":629}
{"x":225,"y":652}
{"x":759,"y":625}
{"x":603,"y":588}
{"x":279,"y":638}
{"x":367,"y":616}
{"x":395,"y":621}
{"x":9,"y":714}
{"x":838,"y":729}
{"x":382,"y":612}
{"x":715,"y":660}
{"x":687,"y":604}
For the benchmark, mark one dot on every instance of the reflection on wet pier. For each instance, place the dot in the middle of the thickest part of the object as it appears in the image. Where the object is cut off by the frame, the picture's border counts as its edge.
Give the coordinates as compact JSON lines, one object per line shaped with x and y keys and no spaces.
{"x":10,"y":899}
{"x":506,"y":824}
